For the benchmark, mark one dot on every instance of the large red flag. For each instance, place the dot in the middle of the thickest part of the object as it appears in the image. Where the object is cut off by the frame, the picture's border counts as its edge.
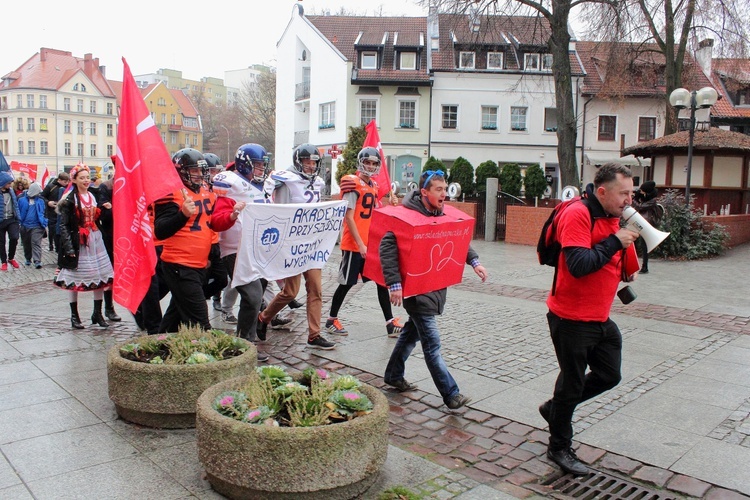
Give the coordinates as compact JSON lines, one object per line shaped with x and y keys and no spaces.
{"x":143,"y":174}
{"x":373,"y":140}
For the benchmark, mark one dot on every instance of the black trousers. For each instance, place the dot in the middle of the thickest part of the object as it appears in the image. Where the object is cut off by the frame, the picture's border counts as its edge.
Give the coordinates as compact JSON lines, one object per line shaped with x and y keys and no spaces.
{"x":216,"y":276}
{"x":188,"y":305}
{"x":579,"y":344}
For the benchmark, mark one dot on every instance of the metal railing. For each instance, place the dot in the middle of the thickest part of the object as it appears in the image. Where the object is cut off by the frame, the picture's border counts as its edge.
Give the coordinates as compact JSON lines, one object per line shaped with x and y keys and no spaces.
{"x":302,"y":91}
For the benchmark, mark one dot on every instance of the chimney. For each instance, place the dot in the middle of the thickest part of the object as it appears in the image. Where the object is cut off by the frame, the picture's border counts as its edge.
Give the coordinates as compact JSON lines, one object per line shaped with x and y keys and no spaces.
{"x":474,"y":21}
{"x":704,"y":56}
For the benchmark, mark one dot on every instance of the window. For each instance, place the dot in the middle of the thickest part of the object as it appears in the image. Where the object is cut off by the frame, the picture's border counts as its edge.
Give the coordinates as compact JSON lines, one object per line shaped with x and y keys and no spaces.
{"x":66,"y":104}
{"x":29,"y":101}
{"x":494,"y":60}
{"x":407,"y":114}
{"x":489,"y":117}
{"x":43,"y":124}
{"x":327,"y":115}
{"x":174,"y":138}
{"x":80,"y":105}
{"x":111,"y":150}
{"x":607,"y":126}
{"x":20,"y":147}
{"x":32,"y":148}
{"x":163,"y":118}
{"x":646,"y":128}
{"x":92,"y":128}
{"x":80,"y":149}
{"x":546,"y":62}
{"x":80,"y":128}
{"x":408,"y":60}
{"x":531,"y":62}
{"x":19,"y":101}
{"x":110,"y":131}
{"x":67,"y":149}
{"x":449,"y":116}
{"x":92,"y":147}
{"x":369,"y":60}
{"x":43,"y":101}
{"x":161,"y":102}
{"x":30,"y":125}
{"x":173,"y":119}
{"x":92,"y":107}
{"x":550,"y":119}
{"x":19,"y":125}
{"x":466,"y":60}
{"x":43,"y":147}
{"x":110,"y":109}
{"x":66,"y":126}
{"x":518,"y":118}
{"x":368,"y":109}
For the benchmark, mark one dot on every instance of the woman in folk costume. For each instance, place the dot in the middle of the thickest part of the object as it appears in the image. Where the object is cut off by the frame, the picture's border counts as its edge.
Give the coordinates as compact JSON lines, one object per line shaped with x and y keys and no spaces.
{"x":82,"y":258}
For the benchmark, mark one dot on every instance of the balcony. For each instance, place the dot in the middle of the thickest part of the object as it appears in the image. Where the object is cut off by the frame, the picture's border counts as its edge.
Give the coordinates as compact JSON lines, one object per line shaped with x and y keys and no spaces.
{"x":175,"y":128}
{"x":301,"y":137}
{"x":302,"y":91}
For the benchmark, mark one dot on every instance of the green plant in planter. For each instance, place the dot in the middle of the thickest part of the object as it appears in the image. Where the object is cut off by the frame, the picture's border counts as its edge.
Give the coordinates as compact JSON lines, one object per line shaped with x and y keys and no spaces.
{"x":189,"y":346}
{"x":272,"y":397}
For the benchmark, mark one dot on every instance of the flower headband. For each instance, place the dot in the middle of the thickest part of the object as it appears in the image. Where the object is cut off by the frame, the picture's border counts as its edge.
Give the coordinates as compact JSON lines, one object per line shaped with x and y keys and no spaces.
{"x":80,"y":167}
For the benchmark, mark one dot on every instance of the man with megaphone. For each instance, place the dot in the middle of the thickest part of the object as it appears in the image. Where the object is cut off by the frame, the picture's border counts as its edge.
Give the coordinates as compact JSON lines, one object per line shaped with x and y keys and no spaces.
{"x":587,"y":277}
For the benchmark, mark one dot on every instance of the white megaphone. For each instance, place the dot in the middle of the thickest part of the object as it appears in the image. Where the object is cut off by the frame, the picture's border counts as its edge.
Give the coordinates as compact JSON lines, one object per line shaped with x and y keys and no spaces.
{"x":635,"y":222}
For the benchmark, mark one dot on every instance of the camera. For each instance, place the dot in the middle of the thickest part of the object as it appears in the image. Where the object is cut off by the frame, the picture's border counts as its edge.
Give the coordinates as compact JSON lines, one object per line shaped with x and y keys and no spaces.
{"x":626,"y":295}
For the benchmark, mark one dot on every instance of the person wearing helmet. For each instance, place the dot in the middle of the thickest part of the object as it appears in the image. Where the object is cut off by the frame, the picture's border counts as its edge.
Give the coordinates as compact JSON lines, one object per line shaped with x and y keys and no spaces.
{"x":300,"y":184}
{"x":181,"y":222}
{"x":362,"y":198}
{"x":235,"y":190}
{"x":217,"y":279}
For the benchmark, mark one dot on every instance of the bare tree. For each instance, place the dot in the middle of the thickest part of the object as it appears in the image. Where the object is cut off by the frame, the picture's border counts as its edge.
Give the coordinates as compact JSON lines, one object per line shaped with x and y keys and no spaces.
{"x":256,"y":108}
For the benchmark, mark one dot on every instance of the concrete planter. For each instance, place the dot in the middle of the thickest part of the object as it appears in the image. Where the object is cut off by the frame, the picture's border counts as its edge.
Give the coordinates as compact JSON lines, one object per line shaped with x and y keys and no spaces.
{"x":337,"y":461}
{"x":164,"y":396}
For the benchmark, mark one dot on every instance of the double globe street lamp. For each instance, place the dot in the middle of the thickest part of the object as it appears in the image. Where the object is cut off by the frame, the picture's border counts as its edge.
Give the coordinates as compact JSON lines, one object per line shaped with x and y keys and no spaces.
{"x":697,"y":99}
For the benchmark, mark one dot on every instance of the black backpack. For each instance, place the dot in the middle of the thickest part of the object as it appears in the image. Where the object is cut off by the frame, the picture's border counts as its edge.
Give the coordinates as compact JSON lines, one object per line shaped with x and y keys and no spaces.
{"x":548,"y":248}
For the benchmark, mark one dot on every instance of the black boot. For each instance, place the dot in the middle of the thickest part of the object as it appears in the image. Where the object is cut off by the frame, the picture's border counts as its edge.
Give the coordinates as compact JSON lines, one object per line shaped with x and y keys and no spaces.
{"x":109,"y":307}
{"x":75,"y":320}
{"x":97,"y":318}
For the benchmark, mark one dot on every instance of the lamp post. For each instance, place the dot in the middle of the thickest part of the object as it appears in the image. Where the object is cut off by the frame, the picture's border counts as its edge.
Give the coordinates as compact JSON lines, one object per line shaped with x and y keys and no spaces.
{"x":227,"y":131}
{"x":697,"y":99}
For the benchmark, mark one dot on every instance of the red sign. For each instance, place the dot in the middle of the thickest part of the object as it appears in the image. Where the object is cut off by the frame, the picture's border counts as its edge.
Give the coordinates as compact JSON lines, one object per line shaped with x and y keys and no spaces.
{"x":431,"y":250}
{"x":35,"y":173}
{"x":334,"y":151}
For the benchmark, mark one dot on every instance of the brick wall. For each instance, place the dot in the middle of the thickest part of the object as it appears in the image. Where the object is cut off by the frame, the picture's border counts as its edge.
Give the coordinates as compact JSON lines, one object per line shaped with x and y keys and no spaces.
{"x":467,"y":208}
{"x":738,"y":227}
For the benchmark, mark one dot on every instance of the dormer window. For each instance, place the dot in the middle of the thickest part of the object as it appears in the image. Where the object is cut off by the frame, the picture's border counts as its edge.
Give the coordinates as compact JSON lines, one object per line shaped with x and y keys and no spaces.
{"x":494,"y":60}
{"x":369,"y":60}
{"x":408,"y":60}
{"x":531,"y":62}
{"x":466,"y":60}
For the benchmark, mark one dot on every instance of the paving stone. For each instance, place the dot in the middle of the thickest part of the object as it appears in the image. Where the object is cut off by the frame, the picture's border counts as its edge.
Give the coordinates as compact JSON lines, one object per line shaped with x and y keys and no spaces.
{"x":589,"y":454}
{"x":619,"y":463}
{"x":688,"y":485}
{"x":520,"y":477}
{"x":653,"y":475}
{"x":723,"y":494}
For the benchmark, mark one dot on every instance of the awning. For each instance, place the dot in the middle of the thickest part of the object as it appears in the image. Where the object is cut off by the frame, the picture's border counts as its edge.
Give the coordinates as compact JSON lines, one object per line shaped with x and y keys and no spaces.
{"x":599,"y":158}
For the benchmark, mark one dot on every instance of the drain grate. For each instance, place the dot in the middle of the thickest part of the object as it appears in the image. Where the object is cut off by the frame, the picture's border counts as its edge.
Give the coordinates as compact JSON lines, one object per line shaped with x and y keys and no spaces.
{"x":601,"y":486}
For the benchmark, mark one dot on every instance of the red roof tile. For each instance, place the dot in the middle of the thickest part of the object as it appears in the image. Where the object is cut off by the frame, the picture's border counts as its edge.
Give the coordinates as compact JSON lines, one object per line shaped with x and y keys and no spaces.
{"x":704,"y":140}
{"x":728,"y":76}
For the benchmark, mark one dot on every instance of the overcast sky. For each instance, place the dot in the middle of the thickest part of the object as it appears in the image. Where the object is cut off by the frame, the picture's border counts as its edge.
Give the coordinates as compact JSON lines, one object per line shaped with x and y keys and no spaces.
{"x":199,"y":39}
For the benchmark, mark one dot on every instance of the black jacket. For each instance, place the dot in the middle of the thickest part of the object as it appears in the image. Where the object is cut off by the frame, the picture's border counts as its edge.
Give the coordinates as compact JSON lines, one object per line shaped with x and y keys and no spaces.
{"x":70,"y":245}
{"x":431,"y":303}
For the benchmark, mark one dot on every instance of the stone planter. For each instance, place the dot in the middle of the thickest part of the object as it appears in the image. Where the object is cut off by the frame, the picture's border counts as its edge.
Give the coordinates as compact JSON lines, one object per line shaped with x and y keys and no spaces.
{"x":336,"y":461}
{"x":164,"y":396}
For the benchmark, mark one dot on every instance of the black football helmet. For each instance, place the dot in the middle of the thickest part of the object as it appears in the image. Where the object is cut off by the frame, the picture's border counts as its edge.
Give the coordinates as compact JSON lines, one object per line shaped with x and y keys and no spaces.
{"x":184,"y":160}
{"x":372,"y":154}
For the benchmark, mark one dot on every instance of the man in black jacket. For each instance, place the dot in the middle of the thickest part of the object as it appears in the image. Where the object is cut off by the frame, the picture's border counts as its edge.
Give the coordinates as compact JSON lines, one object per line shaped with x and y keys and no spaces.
{"x":51,"y":195}
{"x":422,"y":326}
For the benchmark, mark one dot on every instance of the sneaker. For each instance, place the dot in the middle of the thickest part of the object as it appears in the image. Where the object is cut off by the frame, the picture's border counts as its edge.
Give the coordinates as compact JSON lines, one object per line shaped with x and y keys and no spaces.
{"x":229,"y":318}
{"x":394,"y":328}
{"x":278,"y":322}
{"x":568,"y":461}
{"x":320,"y":343}
{"x":4,"y":267}
{"x":28,"y":262}
{"x":261,"y":329}
{"x":334,"y":327}
{"x":217,"y":304}
{"x":38,"y":265}
{"x":402,"y":385}
{"x":457,"y":401}
{"x":14,"y":263}
{"x":262,"y":357}
{"x":294,"y":304}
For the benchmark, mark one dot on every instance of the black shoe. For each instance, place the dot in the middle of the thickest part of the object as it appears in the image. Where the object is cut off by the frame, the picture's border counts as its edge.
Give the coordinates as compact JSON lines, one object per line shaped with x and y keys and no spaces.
{"x":280,"y":322}
{"x":402,"y":385}
{"x":643,"y":271}
{"x":320,"y":343}
{"x":545,"y":409}
{"x":457,"y":401}
{"x":261,"y":329}
{"x":262,"y":357}
{"x":112,"y":315}
{"x":98,"y":319}
{"x":294,"y":304}
{"x":75,"y":322}
{"x":568,"y":461}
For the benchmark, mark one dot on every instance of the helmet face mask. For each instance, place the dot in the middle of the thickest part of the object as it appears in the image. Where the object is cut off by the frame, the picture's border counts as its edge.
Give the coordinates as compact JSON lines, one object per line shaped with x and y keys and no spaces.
{"x":369,"y":161}
{"x":251,"y":161}
{"x":305,"y":153}
{"x":191,"y":166}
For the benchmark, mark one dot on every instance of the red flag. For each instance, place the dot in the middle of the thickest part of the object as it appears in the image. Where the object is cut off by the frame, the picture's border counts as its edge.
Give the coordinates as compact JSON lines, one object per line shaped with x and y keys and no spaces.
{"x":373,"y":140}
{"x":143,"y":174}
{"x":42,"y":173}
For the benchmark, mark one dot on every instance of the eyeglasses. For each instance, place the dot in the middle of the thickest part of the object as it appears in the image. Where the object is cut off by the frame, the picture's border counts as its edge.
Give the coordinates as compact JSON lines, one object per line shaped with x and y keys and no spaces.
{"x":430,"y":174}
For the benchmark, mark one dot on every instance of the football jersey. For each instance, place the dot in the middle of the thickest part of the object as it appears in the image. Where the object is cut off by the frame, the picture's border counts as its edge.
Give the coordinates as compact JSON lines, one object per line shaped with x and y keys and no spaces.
{"x":293,"y":188}
{"x":363,"y":200}
{"x":191,"y":244}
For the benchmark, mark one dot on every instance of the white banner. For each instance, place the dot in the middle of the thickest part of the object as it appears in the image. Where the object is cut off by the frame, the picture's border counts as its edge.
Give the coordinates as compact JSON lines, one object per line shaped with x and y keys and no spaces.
{"x":279,"y":241}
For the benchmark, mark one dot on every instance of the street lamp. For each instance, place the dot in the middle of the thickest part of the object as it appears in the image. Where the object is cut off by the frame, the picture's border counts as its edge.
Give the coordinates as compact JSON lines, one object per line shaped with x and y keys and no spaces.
{"x":227,"y":131}
{"x":697,"y":99}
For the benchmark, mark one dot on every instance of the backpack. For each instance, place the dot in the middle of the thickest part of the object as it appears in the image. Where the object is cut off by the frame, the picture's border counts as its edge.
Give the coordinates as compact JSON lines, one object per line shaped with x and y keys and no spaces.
{"x":548,"y":248}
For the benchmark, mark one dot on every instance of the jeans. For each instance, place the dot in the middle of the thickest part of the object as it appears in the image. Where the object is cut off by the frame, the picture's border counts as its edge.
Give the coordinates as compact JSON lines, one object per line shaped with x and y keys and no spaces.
{"x":422,"y":328}
{"x":579,"y":344}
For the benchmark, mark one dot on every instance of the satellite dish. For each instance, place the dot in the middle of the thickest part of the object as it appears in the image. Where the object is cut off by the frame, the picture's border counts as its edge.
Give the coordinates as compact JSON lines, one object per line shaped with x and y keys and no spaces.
{"x":570,"y":192}
{"x":454,"y":190}
{"x":411,"y":186}
{"x":548,"y":192}
{"x":395,"y":186}
{"x":304,"y":55}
